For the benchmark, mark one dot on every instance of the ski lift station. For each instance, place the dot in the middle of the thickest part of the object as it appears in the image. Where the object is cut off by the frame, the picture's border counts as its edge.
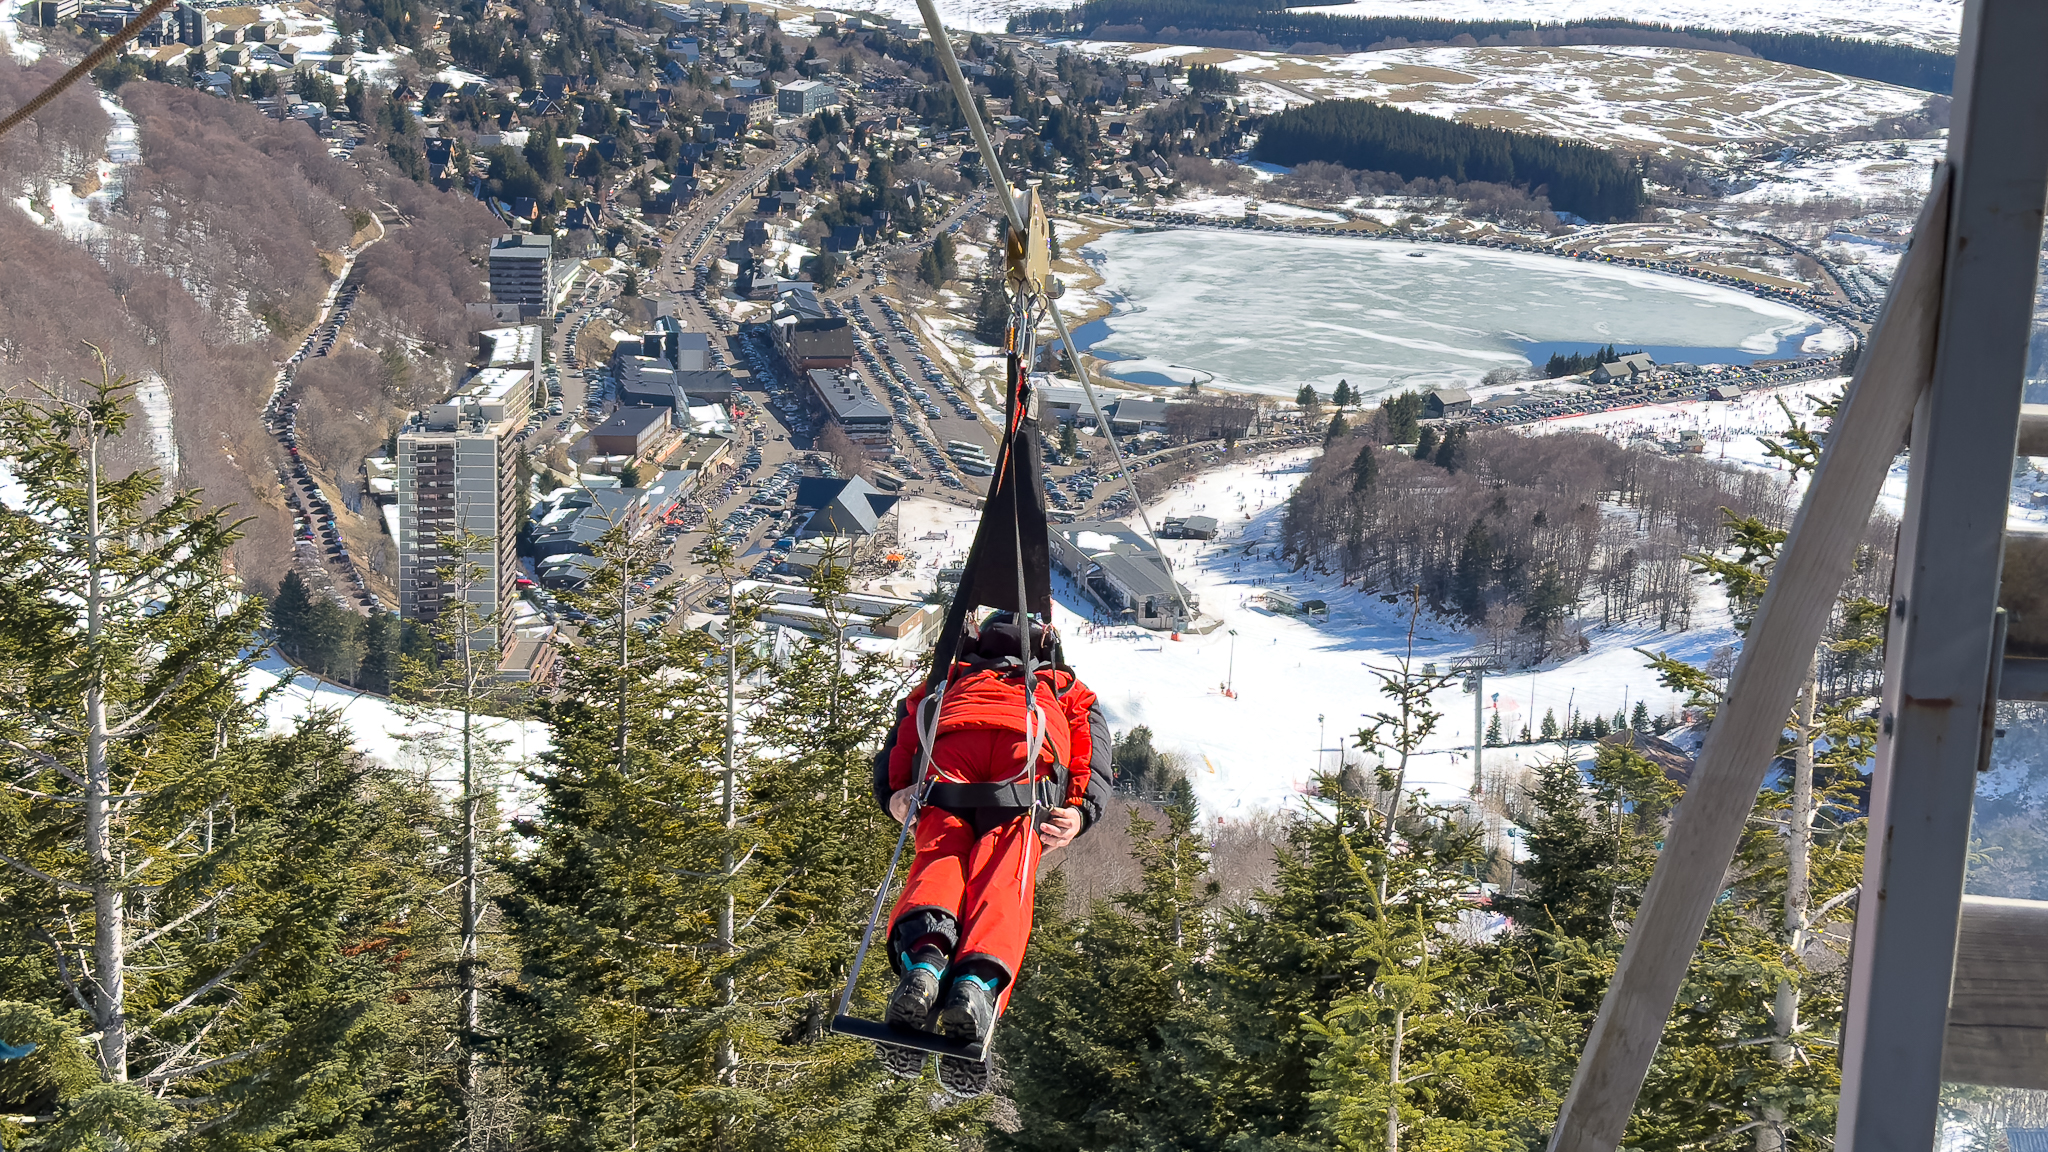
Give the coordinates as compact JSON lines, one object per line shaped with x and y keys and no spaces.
{"x":1122,"y":573}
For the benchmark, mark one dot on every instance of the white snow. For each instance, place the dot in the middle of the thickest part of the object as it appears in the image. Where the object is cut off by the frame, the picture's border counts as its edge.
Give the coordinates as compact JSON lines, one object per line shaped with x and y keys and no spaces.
{"x":155,"y":399}
{"x":25,"y":51}
{"x":1922,"y":23}
{"x":381,"y":733}
{"x":1871,"y":170}
{"x":1292,"y":679}
{"x":1232,"y":208}
{"x":1674,"y":101}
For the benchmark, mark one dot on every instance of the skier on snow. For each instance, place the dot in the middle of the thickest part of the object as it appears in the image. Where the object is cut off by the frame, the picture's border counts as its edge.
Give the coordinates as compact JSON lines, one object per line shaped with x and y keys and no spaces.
{"x":961,"y":925}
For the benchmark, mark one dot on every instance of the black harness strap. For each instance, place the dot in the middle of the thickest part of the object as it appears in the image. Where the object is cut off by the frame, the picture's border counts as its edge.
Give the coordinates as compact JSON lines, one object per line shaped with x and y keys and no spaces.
{"x":963,"y":797}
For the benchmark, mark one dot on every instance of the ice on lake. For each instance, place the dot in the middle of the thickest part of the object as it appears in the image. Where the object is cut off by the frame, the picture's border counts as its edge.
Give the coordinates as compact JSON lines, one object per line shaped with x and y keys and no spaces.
{"x":1270,"y":313}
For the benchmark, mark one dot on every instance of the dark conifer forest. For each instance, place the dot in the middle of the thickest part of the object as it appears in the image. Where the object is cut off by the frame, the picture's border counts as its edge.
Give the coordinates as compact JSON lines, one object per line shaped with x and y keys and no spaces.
{"x":1591,"y":182}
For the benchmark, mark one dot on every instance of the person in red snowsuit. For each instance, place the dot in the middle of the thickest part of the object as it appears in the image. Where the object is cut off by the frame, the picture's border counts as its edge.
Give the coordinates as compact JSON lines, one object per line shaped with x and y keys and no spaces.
{"x":965,"y":913}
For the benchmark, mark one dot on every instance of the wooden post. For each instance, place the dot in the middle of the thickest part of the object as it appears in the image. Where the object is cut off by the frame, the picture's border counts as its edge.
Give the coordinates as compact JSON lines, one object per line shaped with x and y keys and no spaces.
{"x":1708,"y":825}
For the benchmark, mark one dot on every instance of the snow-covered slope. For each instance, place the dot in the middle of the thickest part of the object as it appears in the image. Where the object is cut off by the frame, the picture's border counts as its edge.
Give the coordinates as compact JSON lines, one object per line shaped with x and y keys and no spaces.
{"x":383,"y":734}
{"x":1671,"y":99}
{"x":1293,"y":679}
{"x":1921,"y":23}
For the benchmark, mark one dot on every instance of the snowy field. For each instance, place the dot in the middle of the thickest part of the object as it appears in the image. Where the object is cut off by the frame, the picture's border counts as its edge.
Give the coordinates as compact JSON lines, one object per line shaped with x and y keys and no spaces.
{"x":1672,"y":100}
{"x":1889,"y":171}
{"x":1386,"y":315}
{"x":1232,"y":208}
{"x":1921,"y":23}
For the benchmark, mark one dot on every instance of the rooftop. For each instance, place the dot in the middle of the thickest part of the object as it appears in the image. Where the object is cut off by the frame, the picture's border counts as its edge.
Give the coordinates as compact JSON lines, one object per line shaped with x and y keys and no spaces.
{"x":1123,"y":555}
{"x":504,"y":347}
{"x":847,"y":398}
{"x":632,"y":421}
{"x":522,"y":246}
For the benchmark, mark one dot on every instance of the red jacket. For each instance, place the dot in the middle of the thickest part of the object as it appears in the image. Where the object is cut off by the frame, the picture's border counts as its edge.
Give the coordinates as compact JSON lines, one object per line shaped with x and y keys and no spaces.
{"x":986,"y":699}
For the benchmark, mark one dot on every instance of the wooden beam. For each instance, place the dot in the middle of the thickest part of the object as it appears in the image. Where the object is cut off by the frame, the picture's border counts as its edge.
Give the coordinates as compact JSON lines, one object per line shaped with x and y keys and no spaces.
{"x":1997,"y":1031}
{"x":1941,"y":646}
{"x":1691,"y":870}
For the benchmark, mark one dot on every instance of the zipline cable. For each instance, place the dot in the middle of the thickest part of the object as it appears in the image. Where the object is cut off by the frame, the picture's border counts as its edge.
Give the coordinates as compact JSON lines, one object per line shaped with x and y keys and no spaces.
{"x":93,"y":59}
{"x":964,"y":97}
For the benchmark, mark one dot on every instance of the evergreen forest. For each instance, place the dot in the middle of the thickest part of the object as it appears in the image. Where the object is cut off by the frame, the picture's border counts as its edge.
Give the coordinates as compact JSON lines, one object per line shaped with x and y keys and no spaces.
{"x":1579,"y":178}
{"x":1269,"y":24}
{"x":221,"y":933}
{"x":1578,"y":363}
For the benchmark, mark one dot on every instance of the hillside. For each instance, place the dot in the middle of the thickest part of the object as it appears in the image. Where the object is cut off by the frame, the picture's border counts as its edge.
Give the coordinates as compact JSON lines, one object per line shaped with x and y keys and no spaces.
{"x":203,"y":263}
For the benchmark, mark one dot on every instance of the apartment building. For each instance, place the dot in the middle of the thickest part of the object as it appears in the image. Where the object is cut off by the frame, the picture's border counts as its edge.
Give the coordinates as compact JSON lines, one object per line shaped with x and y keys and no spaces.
{"x":458,"y":473}
{"x":523,"y":270}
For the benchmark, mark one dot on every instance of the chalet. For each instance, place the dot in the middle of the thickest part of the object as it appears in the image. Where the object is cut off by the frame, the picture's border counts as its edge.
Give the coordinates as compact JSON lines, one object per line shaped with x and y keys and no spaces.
{"x":849,"y":507}
{"x":1444,"y":402}
{"x":1725,"y":392}
{"x":1137,"y":416}
{"x":1626,"y":368}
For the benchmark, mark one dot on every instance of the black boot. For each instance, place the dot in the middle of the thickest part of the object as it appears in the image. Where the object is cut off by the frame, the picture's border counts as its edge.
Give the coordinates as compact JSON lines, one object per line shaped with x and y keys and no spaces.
{"x":910,"y":1006}
{"x":970,"y":1014}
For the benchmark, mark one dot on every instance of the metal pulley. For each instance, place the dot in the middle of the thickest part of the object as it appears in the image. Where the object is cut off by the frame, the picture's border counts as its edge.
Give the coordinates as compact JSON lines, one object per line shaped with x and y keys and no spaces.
{"x":1030,"y":253}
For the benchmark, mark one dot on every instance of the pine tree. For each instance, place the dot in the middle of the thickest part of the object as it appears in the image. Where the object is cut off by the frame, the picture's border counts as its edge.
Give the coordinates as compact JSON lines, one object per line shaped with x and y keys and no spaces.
{"x":196,"y":909}
{"x":1640,"y":718}
{"x":448,"y":700}
{"x":1401,"y":416}
{"x":1307,"y":400}
{"x":1452,"y":454}
{"x":291,"y":612}
{"x":1425,"y":443}
{"x":695,"y":884}
{"x":1083,"y":1077}
{"x":1342,"y":396}
{"x":1070,"y":442}
{"x":1365,"y":470}
{"x":992,"y":312}
{"x":380,"y":652}
{"x":1549,"y":730}
{"x":1493,"y":731}
{"x":1336,"y":431}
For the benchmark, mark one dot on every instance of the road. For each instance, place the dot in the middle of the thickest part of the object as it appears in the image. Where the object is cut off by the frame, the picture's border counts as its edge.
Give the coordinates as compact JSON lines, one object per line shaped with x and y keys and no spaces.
{"x":318,"y":551}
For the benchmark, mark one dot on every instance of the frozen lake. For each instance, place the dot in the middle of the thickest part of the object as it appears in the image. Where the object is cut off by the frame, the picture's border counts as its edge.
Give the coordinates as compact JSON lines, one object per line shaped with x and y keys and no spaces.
{"x":1262,"y":313}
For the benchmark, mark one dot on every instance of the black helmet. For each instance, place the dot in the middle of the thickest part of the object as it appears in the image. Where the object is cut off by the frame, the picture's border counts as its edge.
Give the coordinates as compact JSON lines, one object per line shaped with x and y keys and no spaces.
{"x":996,"y":638}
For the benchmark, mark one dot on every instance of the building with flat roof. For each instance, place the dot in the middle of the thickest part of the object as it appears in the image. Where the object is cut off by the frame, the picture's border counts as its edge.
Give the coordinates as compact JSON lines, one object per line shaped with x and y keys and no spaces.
{"x":1064,"y":404}
{"x":810,"y":344}
{"x":518,"y":346}
{"x":805,"y":97}
{"x":630,"y":431}
{"x":523,"y":270}
{"x":848,"y":403}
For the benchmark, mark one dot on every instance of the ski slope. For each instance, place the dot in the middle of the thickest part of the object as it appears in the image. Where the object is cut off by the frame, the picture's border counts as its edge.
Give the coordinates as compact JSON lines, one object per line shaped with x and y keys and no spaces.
{"x":1302,"y":689}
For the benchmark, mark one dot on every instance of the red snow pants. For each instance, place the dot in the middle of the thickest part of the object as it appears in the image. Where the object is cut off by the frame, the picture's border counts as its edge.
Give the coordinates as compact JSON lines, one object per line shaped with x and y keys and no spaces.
{"x":985,"y":879}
